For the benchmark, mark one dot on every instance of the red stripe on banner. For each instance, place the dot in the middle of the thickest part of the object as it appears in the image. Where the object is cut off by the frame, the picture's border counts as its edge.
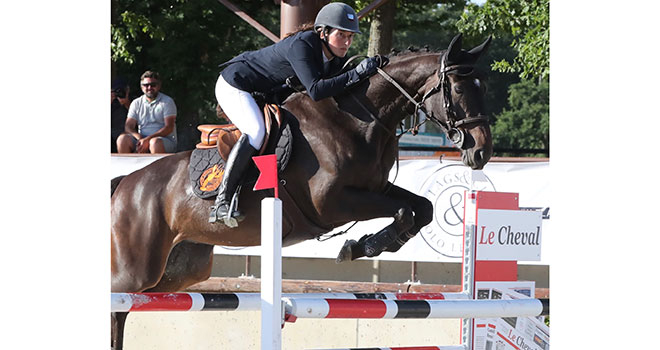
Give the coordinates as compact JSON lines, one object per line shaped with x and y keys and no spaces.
{"x":507,"y":340}
{"x":419,"y":296}
{"x":497,"y":200}
{"x":481,"y":326}
{"x":161,"y":302}
{"x":348,"y":308}
{"x":494,"y":270}
{"x":491,"y":326}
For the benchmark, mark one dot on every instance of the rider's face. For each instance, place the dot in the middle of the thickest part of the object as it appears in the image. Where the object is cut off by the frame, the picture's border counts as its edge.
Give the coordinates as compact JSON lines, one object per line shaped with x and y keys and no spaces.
{"x":340,"y":41}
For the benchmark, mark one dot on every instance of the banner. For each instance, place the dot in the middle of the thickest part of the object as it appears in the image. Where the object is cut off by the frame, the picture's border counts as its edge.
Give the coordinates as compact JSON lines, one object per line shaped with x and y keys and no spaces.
{"x":443,"y":183}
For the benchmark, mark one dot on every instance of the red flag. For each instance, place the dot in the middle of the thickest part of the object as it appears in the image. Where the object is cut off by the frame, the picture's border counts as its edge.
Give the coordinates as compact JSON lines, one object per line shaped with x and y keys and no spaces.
{"x":268,"y":178}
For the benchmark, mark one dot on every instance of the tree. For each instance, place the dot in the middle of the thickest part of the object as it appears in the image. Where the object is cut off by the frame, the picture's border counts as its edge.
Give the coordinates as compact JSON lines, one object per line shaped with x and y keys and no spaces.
{"x":526,"y":123}
{"x":382,"y":28}
{"x":185,"y":41}
{"x":528,"y":24}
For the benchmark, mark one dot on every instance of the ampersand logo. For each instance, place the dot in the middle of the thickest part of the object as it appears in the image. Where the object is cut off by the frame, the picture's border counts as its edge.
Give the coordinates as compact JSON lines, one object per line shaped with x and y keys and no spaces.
{"x":445,"y":189}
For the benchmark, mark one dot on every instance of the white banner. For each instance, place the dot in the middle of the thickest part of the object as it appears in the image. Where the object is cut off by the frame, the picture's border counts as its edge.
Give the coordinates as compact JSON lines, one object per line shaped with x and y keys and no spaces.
{"x":442,"y":182}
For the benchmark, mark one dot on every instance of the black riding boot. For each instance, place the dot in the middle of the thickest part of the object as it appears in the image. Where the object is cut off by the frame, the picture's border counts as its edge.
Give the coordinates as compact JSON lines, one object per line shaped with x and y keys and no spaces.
{"x":238,"y":160}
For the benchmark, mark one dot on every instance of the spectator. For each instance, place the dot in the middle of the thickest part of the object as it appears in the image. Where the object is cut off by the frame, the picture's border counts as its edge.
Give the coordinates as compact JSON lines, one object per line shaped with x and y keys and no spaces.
{"x":119,"y":103}
{"x":150,"y":125}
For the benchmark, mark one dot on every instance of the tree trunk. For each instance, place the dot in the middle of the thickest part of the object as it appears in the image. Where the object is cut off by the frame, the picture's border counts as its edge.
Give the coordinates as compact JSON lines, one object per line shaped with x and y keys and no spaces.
{"x":382,"y":28}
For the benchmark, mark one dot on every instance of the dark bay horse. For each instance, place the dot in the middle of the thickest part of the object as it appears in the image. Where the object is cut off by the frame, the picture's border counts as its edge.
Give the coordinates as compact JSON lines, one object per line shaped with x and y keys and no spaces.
{"x":343,"y":150}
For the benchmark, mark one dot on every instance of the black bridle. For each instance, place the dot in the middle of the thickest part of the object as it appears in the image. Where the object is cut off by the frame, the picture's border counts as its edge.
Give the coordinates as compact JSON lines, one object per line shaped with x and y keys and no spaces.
{"x":452,"y":125}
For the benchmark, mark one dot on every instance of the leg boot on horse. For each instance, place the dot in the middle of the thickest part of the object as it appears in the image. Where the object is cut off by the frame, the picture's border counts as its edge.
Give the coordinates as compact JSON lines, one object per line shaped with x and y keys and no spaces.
{"x":225,"y":207}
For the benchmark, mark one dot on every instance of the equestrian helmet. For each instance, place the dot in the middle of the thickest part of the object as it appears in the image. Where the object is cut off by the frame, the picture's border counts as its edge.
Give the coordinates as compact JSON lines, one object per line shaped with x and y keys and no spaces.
{"x":337,"y":15}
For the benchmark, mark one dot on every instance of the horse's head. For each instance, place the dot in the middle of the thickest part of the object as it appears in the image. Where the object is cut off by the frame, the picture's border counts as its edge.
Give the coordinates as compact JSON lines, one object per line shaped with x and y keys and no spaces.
{"x":454,"y":100}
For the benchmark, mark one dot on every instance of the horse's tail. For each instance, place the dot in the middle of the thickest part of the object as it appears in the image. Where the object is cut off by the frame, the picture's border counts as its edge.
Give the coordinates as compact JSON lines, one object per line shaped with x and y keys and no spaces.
{"x":114,"y":183}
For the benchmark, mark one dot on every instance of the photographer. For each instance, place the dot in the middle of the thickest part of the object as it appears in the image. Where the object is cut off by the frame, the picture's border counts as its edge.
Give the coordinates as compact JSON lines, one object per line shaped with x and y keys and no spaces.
{"x":119,"y":103}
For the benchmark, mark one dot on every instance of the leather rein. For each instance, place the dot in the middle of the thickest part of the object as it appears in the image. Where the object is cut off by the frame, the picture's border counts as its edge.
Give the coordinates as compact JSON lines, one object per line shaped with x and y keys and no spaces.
{"x":451,"y":126}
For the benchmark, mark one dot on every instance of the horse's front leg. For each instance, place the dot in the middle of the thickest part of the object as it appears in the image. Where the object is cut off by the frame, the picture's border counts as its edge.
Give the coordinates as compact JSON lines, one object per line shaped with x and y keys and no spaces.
{"x":416,"y":213}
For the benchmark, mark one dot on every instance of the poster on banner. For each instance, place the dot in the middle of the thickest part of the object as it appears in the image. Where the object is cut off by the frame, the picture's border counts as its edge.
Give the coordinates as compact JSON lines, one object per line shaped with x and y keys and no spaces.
{"x":508,"y":235}
{"x":509,"y":333}
{"x":443,"y":183}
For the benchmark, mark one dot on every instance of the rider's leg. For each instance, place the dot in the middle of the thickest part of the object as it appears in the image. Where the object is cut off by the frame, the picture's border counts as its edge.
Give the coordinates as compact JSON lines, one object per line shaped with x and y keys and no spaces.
{"x":238,"y":160}
{"x":244,"y":112}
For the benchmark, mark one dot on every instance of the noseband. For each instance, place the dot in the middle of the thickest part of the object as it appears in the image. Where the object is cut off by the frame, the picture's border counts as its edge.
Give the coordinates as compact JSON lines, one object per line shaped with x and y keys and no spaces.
{"x":451,"y":126}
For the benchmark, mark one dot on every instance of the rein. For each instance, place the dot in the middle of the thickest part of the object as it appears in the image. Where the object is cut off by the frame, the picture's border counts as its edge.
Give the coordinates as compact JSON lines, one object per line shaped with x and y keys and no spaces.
{"x":451,"y":126}
{"x":453,"y":123}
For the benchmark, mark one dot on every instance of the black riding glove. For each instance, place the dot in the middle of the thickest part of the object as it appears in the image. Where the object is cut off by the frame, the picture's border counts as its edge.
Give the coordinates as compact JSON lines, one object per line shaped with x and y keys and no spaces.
{"x":367,"y":67}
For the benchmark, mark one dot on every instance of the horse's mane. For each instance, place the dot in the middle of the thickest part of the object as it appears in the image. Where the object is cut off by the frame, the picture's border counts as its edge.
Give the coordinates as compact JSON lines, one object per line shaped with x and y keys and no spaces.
{"x":411,"y":51}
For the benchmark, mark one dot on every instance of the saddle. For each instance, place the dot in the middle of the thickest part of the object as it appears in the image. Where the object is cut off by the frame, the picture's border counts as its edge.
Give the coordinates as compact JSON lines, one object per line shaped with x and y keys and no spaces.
{"x":207,"y":161}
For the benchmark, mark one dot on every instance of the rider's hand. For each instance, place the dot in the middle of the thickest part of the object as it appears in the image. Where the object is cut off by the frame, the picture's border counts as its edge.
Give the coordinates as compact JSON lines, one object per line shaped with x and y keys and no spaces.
{"x":367,"y":67}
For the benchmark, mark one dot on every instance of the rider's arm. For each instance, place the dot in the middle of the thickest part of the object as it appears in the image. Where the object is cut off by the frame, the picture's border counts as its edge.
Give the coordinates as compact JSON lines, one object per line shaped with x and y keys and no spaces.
{"x":304,"y":61}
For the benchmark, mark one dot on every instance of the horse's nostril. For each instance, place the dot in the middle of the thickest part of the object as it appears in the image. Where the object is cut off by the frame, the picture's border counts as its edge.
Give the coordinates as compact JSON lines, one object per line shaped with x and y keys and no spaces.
{"x":478,"y":156}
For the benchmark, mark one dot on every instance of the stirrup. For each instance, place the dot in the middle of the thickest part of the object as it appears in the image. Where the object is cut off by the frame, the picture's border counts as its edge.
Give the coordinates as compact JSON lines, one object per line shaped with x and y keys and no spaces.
{"x":231,"y":219}
{"x":232,"y":216}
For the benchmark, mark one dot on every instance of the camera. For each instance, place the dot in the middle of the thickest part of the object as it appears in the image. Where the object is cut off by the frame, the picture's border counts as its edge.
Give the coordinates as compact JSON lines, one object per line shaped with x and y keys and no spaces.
{"x":120,"y":92}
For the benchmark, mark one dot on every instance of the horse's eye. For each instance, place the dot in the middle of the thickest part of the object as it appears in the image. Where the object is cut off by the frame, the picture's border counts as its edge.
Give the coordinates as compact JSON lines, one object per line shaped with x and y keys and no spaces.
{"x":458,"y":89}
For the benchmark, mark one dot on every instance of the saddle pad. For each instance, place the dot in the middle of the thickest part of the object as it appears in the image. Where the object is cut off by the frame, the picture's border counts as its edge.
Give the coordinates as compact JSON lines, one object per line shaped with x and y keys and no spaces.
{"x":205,"y":172}
{"x":207,"y":165}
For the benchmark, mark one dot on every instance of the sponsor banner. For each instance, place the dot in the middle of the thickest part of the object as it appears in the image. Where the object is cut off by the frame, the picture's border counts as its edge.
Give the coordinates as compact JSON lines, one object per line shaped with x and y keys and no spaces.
{"x":441,"y":182}
{"x":508,"y":235}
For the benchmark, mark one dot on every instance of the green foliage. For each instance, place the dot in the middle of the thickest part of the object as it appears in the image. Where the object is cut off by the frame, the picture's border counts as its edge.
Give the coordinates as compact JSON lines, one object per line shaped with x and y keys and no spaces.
{"x":185,"y":41}
{"x":525,"y":123}
{"x":527,"y":22}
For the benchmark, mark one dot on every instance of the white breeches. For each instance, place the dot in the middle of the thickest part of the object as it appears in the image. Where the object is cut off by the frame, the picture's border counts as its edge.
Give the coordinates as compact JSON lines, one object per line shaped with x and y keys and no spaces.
{"x":243,"y":111}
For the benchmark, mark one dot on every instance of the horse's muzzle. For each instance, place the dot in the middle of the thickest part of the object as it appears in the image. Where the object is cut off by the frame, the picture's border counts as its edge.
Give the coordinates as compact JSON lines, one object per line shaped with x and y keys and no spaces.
{"x":476,"y":158}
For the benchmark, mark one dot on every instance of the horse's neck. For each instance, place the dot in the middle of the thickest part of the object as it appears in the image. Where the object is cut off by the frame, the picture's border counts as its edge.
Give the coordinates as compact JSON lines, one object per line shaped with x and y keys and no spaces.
{"x":410,"y":73}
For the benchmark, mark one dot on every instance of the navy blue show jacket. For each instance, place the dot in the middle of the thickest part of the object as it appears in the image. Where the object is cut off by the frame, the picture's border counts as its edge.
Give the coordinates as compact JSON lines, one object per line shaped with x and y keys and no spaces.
{"x":266,"y":70}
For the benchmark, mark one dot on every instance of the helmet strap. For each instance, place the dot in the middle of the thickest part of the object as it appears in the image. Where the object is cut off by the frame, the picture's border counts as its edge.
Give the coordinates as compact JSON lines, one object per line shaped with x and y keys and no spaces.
{"x":324,"y":40}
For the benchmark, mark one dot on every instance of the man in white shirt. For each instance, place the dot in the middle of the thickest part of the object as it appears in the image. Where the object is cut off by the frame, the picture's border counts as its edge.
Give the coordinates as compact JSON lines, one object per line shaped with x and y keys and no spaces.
{"x":151,"y":120}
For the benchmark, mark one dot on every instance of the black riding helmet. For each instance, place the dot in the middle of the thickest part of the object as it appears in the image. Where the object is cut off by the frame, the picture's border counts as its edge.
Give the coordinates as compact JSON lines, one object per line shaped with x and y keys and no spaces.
{"x":336,"y":15}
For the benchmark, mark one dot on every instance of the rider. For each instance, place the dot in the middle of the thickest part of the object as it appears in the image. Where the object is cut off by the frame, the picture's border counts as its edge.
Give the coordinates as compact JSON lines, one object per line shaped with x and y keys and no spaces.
{"x":312,"y":55}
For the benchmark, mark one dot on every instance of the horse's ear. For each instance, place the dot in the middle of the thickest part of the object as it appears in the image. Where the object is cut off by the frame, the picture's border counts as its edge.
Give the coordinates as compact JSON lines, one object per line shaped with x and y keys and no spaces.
{"x":454,"y":50}
{"x":476,"y":52}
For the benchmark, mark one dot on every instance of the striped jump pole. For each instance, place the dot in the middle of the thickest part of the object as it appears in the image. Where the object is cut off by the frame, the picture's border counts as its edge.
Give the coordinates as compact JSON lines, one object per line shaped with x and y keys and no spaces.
{"x":418,"y":309}
{"x":132,"y":302}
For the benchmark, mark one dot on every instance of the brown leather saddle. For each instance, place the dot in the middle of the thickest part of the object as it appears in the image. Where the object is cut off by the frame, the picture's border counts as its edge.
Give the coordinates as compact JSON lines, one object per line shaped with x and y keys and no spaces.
{"x":224,"y":136}
{"x":207,"y":161}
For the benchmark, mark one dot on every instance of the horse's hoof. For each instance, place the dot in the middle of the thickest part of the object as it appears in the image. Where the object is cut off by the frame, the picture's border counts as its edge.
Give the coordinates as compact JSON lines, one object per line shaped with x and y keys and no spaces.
{"x":346,"y":252}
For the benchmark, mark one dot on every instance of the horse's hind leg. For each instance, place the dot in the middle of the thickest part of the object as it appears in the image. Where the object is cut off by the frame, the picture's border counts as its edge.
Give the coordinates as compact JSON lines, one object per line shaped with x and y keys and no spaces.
{"x":118,"y":320}
{"x":187,"y":264}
